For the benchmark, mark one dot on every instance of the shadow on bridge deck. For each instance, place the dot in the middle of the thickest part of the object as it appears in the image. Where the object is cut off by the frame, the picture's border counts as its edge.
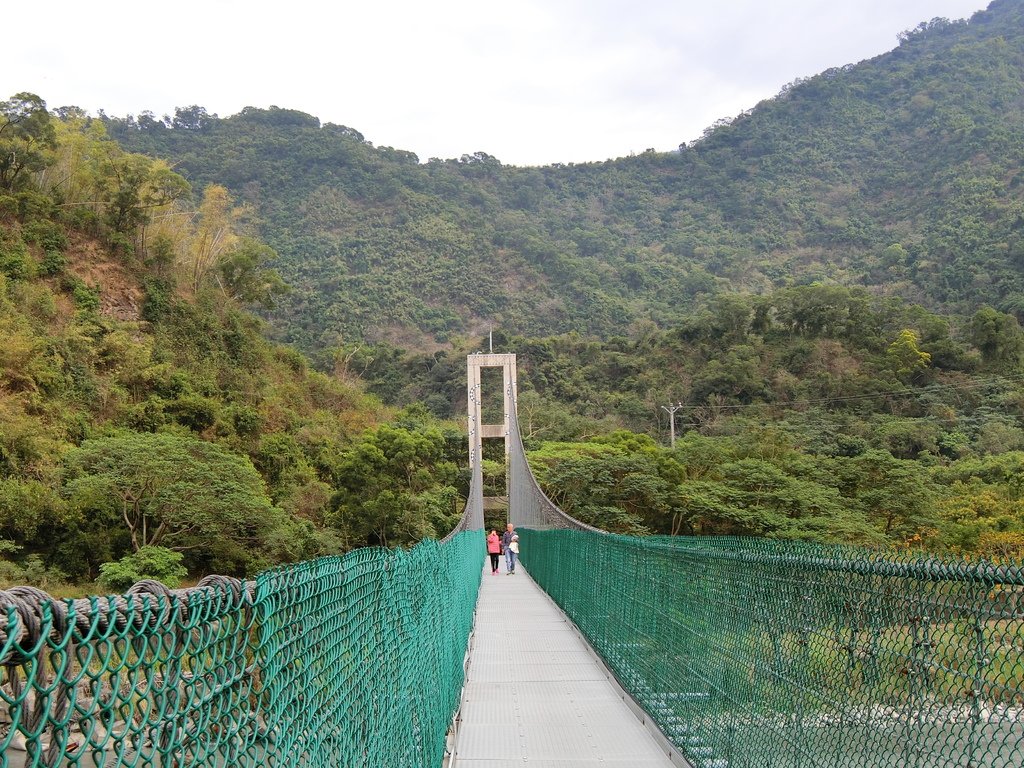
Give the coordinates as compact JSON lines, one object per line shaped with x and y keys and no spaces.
{"x":535,"y":695}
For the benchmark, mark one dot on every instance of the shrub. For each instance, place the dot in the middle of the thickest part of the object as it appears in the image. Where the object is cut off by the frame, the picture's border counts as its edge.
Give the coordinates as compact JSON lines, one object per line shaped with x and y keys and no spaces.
{"x":47,"y":234}
{"x":158,"y":563}
{"x":83,"y":219}
{"x":37,"y":301}
{"x":31,"y":571}
{"x":33,"y":205}
{"x":293,"y":359}
{"x":8,"y":205}
{"x":38,"y":574}
{"x":14,"y":259}
{"x":158,"y":300}
{"x":196,"y":412}
{"x":53,"y":263}
{"x":86,"y":298}
{"x":147,"y":416}
{"x":121,"y":243}
{"x":247,"y":421}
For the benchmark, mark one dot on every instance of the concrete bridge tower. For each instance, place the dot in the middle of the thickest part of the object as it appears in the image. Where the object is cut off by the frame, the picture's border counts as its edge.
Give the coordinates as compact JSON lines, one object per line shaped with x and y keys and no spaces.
{"x":477,"y":429}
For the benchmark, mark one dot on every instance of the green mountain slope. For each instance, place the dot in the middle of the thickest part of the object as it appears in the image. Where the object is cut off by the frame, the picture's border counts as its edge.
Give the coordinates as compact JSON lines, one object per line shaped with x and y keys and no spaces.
{"x":902,"y":174}
{"x":147,"y":427}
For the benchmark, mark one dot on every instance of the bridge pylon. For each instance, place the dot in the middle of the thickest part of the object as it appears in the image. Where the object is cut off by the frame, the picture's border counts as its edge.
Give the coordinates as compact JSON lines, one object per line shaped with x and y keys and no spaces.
{"x":477,"y":429}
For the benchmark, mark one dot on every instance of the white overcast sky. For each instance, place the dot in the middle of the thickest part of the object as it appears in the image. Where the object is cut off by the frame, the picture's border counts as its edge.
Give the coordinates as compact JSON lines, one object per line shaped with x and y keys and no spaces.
{"x":531,"y":81}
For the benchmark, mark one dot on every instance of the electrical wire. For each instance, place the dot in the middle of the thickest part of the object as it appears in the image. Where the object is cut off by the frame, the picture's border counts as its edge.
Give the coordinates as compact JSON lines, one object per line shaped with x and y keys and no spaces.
{"x":910,"y":391}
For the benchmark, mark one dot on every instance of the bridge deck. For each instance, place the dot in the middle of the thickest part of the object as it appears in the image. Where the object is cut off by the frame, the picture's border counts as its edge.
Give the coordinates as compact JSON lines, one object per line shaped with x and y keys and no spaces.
{"x":535,"y":695}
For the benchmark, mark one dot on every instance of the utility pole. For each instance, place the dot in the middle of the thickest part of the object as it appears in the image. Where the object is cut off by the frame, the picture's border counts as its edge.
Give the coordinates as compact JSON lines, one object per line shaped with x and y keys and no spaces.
{"x":671,"y":409}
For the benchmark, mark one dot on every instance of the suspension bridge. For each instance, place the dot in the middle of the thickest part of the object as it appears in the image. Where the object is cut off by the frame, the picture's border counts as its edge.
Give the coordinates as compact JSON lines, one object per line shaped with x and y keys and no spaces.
{"x":609,"y":650}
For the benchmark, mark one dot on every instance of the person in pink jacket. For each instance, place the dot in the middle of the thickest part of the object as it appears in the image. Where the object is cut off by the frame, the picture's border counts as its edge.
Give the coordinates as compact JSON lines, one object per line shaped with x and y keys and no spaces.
{"x":494,"y":550}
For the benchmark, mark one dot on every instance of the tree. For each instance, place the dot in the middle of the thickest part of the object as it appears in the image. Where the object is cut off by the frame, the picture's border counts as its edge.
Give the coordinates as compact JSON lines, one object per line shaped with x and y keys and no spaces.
{"x":997,"y":336}
{"x":896,"y":494}
{"x":160,"y":255}
{"x":215,"y":234}
{"x":27,"y":138}
{"x":80,"y":161}
{"x":615,"y":484}
{"x":242,"y":276}
{"x":173,"y":491}
{"x":134,"y":185}
{"x":734,"y":375}
{"x":904,"y":357}
{"x":755,"y":497}
{"x":194,"y":118}
{"x":26,"y":507}
{"x":394,"y":486}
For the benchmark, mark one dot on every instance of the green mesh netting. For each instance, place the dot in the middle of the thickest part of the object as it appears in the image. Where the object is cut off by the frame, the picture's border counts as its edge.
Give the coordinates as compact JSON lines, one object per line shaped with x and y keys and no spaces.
{"x":769,"y":654}
{"x":352,"y":661}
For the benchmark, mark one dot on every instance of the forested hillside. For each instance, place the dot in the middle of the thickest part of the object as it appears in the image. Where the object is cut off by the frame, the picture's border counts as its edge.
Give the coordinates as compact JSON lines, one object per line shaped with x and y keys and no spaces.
{"x":147,"y":427}
{"x":901,"y":174}
{"x":813,"y":412}
{"x":828,"y":289}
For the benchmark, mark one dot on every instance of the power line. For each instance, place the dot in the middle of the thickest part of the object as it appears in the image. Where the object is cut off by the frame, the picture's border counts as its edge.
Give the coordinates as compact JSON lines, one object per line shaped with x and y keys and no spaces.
{"x":976,"y":384}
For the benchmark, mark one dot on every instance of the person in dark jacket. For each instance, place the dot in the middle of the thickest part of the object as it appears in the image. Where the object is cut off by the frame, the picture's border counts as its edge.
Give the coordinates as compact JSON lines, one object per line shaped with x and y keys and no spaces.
{"x":510,"y":555}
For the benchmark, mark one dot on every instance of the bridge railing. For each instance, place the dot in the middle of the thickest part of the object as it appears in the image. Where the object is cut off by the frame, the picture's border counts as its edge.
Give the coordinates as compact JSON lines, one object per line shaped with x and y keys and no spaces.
{"x":753,"y":653}
{"x":768,"y":653}
{"x":354,"y":660}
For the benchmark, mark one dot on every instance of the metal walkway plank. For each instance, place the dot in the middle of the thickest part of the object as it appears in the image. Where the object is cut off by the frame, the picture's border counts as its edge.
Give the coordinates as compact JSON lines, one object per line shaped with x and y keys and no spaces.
{"x":535,"y":695}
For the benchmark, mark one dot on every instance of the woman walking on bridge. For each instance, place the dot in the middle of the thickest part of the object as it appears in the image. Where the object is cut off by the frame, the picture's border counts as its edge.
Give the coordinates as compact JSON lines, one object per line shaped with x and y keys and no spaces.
{"x":494,"y":550}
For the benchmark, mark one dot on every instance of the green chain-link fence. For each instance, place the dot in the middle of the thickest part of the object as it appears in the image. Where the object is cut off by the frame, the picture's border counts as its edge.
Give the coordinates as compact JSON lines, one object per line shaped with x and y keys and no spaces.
{"x":352,"y":661}
{"x":769,"y":654}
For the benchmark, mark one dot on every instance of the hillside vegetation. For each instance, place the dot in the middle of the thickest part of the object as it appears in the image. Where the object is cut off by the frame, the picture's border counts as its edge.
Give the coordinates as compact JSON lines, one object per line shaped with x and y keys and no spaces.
{"x":814,"y":412}
{"x":829,"y":285}
{"x":901,"y":174}
{"x":827,"y":288}
{"x":147,"y":428}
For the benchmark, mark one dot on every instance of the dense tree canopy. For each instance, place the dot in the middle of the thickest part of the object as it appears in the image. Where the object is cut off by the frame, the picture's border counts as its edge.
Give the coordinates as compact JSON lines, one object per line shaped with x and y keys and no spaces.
{"x":173,"y":491}
{"x":143,"y":415}
{"x":27,"y":138}
{"x":398,"y":483}
{"x":900,"y":174}
{"x":828,"y":286}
